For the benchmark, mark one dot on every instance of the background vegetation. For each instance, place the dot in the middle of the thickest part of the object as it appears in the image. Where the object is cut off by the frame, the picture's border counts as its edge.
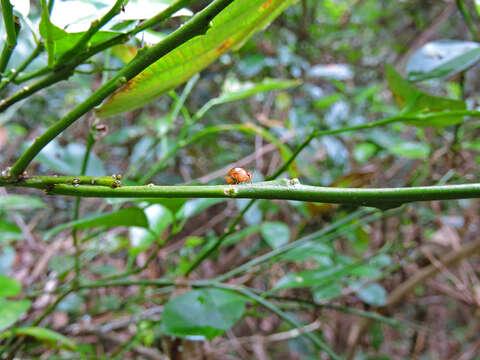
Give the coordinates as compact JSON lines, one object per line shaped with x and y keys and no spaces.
{"x":148,"y":263}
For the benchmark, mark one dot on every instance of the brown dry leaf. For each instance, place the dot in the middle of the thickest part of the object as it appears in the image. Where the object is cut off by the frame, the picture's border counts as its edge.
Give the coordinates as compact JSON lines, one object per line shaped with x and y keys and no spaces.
{"x":447,"y":236}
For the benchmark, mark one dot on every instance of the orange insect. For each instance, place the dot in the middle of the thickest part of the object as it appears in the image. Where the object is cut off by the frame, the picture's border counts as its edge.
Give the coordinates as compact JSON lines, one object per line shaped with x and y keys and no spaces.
{"x":237,"y":176}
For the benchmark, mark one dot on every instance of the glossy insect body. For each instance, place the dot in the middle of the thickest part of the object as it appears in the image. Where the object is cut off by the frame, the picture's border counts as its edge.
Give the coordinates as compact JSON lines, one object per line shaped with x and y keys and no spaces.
{"x":237,"y":176}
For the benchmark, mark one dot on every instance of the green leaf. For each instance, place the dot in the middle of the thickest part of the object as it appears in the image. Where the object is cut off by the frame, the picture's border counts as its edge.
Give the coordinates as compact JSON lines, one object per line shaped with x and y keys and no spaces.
{"x":49,"y":33}
{"x":410,"y":149}
{"x":228,"y":30}
{"x":364,"y":151}
{"x":316,"y":277}
{"x":62,"y":41}
{"x":442,"y":58}
{"x":52,"y":338}
{"x":196,"y":206}
{"x":159,"y":218}
{"x":172,"y":204}
{"x":20,"y":202}
{"x":240,"y":235}
{"x":307,"y":251}
{"x":327,"y":292}
{"x":416,"y":102}
{"x":9,"y":286}
{"x":206,"y":313}
{"x":9,"y":232}
{"x":10,"y":311}
{"x":131,"y":216}
{"x":373,"y":294}
{"x":275,"y":234}
{"x":233,"y":90}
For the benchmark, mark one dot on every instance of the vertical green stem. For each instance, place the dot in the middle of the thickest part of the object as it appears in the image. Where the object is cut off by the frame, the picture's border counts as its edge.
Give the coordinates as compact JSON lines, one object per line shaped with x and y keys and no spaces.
{"x":76,"y":212}
{"x":12,"y":28}
{"x":468,"y":20}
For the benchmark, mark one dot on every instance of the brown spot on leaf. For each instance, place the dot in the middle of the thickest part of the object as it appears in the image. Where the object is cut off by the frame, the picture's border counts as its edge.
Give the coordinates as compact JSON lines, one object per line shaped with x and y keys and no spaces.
{"x":224,"y":46}
{"x":266,"y":5}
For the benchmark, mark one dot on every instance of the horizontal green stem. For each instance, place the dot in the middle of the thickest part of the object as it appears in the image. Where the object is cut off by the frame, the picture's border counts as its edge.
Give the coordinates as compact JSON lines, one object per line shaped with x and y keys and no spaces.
{"x":47,"y":181}
{"x":144,"y":58}
{"x":284,"y":189}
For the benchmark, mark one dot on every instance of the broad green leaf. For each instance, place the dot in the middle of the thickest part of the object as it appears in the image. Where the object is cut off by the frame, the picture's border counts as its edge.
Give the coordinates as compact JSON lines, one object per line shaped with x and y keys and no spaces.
{"x":62,"y":41}
{"x":417,"y":102}
{"x":307,"y":251}
{"x":234,"y":90}
{"x":20,"y":202}
{"x":327,"y":292}
{"x":50,"y":337}
{"x":443,"y":58}
{"x":275,"y":233}
{"x":9,"y":286}
{"x":229,"y":30}
{"x":131,"y":216}
{"x":9,"y":232}
{"x":410,"y":149}
{"x":373,"y":294}
{"x":206,"y":313}
{"x":159,"y":218}
{"x":10,"y":311}
{"x":316,"y":277}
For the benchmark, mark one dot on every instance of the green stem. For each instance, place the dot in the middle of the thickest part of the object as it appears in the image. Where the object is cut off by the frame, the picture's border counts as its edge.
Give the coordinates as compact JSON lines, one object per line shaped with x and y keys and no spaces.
{"x":89,"y":52}
{"x":400,"y":117}
{"x":468,"y":20}
{"x":14,"y":73}
{"x":206,"y":252}
{"x":332,"y":229}
{"x":76,"y":210}
{"x":283,"y":189}
{"x":95,"y":26}
{"x":12,"y":28}
{"x":49,"y":41}
{"x":210,"y":130}
{"x":197,"y":25}
{"x":319,"y":343}
{"x":9,"y":22}
{"x":345,"y":309}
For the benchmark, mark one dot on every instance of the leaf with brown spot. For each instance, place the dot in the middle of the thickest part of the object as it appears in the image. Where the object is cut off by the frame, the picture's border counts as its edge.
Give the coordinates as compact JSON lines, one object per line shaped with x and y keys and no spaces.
{"x":229,"y":30}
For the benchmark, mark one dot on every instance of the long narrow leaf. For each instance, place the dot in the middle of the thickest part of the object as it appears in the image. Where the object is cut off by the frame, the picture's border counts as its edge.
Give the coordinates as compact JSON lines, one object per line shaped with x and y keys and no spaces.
{"x":230,"y":29}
